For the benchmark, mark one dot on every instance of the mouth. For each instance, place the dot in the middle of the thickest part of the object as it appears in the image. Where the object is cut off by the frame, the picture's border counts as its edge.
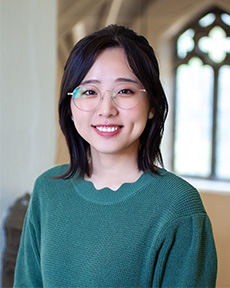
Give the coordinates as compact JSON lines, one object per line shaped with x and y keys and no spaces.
{"x":107,"y":128}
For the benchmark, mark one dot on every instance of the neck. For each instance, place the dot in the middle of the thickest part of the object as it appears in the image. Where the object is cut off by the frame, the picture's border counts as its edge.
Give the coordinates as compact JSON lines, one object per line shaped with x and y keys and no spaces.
{"x":113,"y":170}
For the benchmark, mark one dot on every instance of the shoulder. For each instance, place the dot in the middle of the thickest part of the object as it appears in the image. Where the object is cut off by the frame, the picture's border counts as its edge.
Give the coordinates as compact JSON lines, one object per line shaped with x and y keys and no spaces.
{"x":178,"y":196}
{"x":48,"y":191}
{"x":53,"y":172}
{"x":50,"y":176}
{"x":47,"y":183}
{"x":171,"y":184}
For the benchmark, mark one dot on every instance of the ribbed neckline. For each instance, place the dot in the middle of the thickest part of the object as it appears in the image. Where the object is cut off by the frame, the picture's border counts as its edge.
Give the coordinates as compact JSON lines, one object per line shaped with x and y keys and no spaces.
{"x":107,"y":196}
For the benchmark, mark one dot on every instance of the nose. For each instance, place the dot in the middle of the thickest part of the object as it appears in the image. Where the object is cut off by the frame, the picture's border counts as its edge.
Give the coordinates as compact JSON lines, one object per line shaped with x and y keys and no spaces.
{"x":107,"y":108}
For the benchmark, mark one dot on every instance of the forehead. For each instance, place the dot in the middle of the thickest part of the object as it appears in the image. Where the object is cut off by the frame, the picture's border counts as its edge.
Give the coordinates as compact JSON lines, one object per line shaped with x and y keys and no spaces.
{"x":110,"y":65}
{"x":112,"y":51}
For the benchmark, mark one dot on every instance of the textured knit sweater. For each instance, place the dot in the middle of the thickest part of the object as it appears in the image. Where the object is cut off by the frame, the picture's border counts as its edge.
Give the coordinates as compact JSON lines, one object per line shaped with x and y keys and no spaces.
{"x":151,"y":233}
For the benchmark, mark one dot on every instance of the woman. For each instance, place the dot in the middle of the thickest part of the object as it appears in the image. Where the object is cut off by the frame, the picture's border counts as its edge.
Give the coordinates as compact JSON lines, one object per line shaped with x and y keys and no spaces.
{"x":113,"y":217}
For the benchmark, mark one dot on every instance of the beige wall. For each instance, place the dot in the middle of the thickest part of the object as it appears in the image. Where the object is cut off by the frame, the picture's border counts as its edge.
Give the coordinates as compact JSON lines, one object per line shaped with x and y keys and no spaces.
{"x":28,"y":97}
{"x":218,"y":208}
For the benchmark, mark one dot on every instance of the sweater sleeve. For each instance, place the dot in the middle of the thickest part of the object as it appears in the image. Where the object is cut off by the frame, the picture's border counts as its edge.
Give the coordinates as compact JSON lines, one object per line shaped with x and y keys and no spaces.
{"x":187,"y":257}
{"x":28,"y":271}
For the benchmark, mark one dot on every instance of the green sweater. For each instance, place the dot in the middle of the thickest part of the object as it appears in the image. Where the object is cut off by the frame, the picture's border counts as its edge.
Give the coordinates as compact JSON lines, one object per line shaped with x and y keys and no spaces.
{"x":151,"y":233}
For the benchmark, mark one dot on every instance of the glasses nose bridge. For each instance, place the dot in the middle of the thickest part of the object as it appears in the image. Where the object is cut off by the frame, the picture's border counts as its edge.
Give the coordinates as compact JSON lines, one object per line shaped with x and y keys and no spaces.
{"x":110,"y":95}
{"x":106,"y":102}
{"x":108,"y":92}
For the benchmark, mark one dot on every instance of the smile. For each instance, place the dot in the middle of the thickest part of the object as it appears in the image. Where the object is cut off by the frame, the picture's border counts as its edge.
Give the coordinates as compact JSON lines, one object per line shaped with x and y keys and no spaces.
{"x":107,"y":128}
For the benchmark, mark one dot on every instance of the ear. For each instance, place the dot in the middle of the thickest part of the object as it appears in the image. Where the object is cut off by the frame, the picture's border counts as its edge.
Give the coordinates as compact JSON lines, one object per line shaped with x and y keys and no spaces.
{"x":151,"y":113}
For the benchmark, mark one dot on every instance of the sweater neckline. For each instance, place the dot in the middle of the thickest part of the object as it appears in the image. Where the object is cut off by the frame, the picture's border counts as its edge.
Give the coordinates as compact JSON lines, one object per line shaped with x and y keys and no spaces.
{"x":87,"y":190}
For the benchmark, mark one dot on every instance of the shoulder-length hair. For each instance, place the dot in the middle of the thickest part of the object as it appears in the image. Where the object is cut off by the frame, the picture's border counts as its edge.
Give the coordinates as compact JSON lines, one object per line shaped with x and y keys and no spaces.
{"x":143,"y":62}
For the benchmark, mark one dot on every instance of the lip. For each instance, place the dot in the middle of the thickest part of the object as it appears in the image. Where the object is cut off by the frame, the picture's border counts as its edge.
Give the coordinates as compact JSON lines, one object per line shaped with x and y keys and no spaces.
{"x":107,"y":130}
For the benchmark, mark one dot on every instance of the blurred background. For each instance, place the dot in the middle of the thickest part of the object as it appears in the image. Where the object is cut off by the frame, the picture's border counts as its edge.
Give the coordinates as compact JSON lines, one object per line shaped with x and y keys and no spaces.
{"x":191,"y":39}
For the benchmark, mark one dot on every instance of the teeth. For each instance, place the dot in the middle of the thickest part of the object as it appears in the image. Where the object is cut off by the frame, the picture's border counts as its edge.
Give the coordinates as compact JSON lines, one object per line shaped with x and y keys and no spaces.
{"x":107,"y":129}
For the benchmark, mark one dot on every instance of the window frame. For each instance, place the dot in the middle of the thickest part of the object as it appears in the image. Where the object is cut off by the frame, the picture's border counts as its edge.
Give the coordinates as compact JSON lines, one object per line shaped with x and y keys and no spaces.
{"x":196,"y":52}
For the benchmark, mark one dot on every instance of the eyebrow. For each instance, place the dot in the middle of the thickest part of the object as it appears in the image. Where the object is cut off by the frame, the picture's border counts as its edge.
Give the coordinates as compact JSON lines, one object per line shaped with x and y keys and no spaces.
{"x":126,"y":80}
{"x":90,"y":81}
{"x":121,"y":79}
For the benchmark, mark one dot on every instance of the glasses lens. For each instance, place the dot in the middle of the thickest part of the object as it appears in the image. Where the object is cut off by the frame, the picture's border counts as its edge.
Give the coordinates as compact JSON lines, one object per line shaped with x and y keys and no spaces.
{"x":127,"y":95}
{"x":86,"y":97}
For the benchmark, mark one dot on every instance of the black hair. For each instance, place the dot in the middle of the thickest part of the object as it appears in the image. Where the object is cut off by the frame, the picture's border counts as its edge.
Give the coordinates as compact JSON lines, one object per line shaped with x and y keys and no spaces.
{"x":143,"y":62}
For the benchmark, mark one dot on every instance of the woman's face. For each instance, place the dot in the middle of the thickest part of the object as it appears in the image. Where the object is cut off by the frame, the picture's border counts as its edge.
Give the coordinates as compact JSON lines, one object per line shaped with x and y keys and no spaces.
{"x":109,"y":129}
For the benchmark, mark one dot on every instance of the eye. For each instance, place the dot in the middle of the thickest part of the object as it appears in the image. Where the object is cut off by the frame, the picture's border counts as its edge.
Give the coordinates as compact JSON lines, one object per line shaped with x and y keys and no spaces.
{"x":88,"y":92}
{"x":125,"y":92}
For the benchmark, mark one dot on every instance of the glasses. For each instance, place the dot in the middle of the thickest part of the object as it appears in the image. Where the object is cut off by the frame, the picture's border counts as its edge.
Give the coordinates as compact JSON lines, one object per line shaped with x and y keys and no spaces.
{"x":125,"y":96}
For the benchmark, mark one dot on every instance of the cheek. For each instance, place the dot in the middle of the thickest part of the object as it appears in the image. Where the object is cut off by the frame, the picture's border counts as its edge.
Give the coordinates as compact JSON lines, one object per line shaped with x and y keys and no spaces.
{"x":143,"y":118}
{"x":76,"y":124}
{"x":79,"y":123}
{"x":138,"y":121}
{"x":81,"y":129}
{"x":141,"y":114}
{"x":75,"y":118}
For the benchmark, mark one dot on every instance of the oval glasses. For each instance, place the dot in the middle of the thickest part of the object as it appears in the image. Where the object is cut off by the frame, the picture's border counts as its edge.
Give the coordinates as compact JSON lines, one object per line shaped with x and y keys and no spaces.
{"x":125,"y":96}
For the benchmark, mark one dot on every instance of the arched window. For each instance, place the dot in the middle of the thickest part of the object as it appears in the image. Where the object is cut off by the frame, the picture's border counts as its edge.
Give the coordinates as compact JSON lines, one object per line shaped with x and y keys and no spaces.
{"x":202,"y":98}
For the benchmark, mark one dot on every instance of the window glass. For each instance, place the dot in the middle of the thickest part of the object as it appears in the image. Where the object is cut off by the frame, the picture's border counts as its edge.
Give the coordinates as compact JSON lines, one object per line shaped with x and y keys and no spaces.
{"x":216,"y":44}
{"x":193,"y":118}
{"x":185,"y":43}
{"x":207,"y":20}
{"x":226,"y":18}
{"x":223,"y":122}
